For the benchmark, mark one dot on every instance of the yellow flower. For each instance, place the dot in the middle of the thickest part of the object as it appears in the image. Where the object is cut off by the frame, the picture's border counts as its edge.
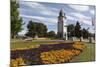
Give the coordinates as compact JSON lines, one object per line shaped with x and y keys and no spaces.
{"x":58,"y":56}
{"x":14,"y":63}
{"x":17,"y":62}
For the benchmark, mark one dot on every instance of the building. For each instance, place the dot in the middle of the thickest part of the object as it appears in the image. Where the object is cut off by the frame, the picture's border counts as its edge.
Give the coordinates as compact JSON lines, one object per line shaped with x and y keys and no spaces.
{"x":62,"y":27}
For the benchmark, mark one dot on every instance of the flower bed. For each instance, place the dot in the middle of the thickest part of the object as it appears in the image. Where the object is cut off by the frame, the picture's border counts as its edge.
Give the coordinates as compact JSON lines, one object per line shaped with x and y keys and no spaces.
{"x":58,"y":56}
{"x":46,"y":54}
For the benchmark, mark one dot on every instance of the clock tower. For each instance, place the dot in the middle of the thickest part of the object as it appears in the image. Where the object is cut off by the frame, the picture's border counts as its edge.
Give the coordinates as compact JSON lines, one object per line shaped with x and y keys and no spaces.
{"x":62,"y":28}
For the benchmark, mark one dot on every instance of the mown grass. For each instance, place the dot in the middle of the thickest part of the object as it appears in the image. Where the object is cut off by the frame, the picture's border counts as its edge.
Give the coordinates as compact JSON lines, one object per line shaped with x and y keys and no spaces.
{"x":87,"y":55}
{"x":23,"y":44}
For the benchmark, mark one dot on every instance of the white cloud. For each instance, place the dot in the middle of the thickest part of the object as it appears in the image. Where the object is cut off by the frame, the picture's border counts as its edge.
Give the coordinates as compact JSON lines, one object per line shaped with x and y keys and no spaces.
{"x":92,"y":12}
{"x":42,"y":19}
{"x":89,"y":22}
{"x":40,"y":8}
{"x":48,"y":12}
{"x":79,"y":7}
{"x":32,"y":17}
{"x":81,"y":16}
{"x":71,"y":18}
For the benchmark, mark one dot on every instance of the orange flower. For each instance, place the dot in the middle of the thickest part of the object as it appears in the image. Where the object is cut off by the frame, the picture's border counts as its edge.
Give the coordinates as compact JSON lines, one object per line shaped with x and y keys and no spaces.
{"x":58,"y":56}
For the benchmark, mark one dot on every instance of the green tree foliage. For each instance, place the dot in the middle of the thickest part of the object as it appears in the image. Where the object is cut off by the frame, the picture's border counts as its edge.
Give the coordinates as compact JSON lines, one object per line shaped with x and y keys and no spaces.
{"x":16,"y":21}
{"x":51,"y":34}
{"x":36,"y":28}
{"x":85,"y":33}
{"x":70,"y":30}
{"x":78,"y":32}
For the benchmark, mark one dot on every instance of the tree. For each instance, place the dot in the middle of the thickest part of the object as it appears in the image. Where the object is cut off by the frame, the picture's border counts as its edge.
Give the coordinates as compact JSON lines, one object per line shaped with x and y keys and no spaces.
{"x":51,"y":34}
{"x":85,"y":33}
{"x":16,"y":21}
{"x":70,"y":30}
{"x":36,"y":28}
{"x":78,"y":31}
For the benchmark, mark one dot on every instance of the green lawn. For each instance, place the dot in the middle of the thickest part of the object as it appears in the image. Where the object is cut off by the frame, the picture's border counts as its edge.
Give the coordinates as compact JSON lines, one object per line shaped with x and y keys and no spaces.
{"x":22,"y":44}
{"x":87,"y":55}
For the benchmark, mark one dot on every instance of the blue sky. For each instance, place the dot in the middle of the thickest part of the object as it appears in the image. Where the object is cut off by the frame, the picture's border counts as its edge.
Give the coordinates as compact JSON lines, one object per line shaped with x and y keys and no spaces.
{"x":47,"y":13}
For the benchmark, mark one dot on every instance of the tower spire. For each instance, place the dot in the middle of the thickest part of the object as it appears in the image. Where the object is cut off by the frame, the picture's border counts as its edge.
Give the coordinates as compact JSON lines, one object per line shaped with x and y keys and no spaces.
{"x":61,"y":13}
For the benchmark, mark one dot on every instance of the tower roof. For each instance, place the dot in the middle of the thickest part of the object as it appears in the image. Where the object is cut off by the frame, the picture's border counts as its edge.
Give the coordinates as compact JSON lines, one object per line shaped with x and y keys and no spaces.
{"x":61,"y":13}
